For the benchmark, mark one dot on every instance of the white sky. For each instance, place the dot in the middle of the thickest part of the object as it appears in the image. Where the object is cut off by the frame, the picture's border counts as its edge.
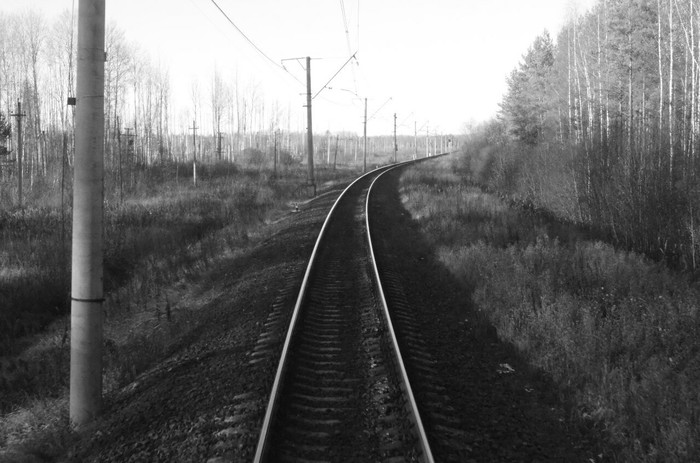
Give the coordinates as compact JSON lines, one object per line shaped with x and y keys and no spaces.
{"x":442,"y":62}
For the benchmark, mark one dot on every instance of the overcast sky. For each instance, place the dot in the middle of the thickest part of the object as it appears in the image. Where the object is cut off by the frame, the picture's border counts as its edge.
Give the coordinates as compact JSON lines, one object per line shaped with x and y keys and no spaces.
{"x":442,"y":62}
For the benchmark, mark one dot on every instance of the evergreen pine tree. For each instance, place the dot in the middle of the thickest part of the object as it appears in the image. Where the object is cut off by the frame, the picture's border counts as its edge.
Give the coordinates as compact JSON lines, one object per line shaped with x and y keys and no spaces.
{"x":525,"y":105}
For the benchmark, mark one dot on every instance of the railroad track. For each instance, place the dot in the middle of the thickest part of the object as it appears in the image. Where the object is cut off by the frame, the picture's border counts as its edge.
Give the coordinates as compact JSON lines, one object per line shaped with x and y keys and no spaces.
{"x":341,"y":392}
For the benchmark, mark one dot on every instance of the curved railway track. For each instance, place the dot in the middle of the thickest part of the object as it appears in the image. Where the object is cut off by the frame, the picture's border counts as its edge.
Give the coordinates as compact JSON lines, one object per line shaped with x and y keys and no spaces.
{"x":341,"y":392}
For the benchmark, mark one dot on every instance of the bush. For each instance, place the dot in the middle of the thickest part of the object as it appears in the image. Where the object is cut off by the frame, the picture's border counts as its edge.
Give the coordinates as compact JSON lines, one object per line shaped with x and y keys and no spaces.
{"x":612,"y":326}
{"x":253,"y":157}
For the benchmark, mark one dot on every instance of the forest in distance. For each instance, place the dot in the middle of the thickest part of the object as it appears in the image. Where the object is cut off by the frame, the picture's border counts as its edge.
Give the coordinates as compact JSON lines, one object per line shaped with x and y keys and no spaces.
{"x":234,"y":118}
{"x":599,"y":125}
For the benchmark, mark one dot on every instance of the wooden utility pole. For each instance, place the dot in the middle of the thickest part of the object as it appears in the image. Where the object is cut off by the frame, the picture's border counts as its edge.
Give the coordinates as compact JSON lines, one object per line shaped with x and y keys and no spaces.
{"x":274,"y":172}
{"x":88,"y":194}
{"x":194,"y":151}
{"x":364,"y":166}
{"x":427,"y":141}
{"x":415,"y":139}
{"x":309,"y":128}
{"x":119,"y":152}
{"x":345,"y":148}
{"x":130,"y":157}
{"x":20,"y":151}
{"x":335,"y":155}
{"x":396,"y":146}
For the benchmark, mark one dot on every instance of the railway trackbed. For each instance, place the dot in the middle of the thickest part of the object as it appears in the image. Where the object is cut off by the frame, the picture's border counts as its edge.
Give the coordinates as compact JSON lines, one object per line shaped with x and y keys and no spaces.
{"x":341,"y":392}
{"x":341,"y":396}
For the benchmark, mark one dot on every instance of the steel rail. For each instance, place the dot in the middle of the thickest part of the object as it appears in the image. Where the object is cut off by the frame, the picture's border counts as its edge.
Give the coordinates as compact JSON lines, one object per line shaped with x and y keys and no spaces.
{"x":263,"y":443}
{"x":413,"y":406}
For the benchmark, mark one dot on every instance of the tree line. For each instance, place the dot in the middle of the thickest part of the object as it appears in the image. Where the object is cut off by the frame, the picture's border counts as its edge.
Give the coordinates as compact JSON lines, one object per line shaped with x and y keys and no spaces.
{"x":234,"y":119}
{"x":601,"y":126}
{"x":37,"y":68}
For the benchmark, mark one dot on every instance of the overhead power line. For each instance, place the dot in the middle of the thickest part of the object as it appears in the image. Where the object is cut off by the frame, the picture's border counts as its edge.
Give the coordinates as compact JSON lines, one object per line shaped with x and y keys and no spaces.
{"x":358,"y":25}
{"x":262,"y":53}
{"x":405,"y":119}
{"x":331,"y":79}
{"x":345,"y":25}
{"x":380,"y":108}
{"x":347,"y":39}
{"x":243,"y":34}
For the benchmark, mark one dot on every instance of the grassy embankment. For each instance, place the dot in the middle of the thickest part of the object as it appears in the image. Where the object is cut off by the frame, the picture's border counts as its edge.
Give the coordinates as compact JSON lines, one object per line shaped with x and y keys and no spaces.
{"x":617,"y":331}
{"x":159,"y":240}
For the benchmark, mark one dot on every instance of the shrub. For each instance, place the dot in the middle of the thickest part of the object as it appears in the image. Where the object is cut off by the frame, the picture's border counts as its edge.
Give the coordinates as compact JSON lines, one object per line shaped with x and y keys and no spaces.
{"x":612,"y":326}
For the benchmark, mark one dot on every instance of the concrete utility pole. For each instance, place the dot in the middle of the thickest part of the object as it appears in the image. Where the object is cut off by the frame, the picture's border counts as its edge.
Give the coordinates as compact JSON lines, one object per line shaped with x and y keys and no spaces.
{"x":415,"y":139}
{"x":20,"y":151}
{"x":364,"y":168}
{"x":396,"y":146}
{"x":88,"y":193}
{"x":194,"y":151}
{"x":310,"y":132}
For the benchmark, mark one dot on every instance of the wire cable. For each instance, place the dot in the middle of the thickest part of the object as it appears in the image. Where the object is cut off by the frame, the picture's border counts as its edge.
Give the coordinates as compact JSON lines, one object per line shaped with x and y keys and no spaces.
{"x":331,"y":79}
{"x":380,"y":108}
{"x":243,"y":34}
{"x":358,"y":26}
{"x":347,"y":39}
{"x":274,"y":63}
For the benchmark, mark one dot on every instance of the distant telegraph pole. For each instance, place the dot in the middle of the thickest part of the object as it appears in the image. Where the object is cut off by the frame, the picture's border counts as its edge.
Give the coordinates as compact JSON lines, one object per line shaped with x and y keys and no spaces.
{"x":274,"y":174}
{"x":415,"y":139}
{"x":20,"y":150}
{"x":310,"y":133}
{"x":364,"y":168}
{"x":427,"y":141}
{"x":335,"y":156}
{"x":88,"y":193}
{"x":396,"y":146}
{"x":130,"y":161}
{"x":194,"y":151}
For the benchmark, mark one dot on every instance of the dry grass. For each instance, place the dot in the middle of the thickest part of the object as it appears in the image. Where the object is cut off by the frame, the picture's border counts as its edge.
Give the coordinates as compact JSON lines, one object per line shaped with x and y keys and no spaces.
{"x":159,"y":242}
{"x":616,"y":330}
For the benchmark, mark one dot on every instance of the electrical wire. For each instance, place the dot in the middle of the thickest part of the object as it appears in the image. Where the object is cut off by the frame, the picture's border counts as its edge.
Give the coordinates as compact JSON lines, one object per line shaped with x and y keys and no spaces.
{"x":299,"y":61}
{"x":195,"y":4}
{"x":243,"y":34}
{"x":274,"y":63}
{"x":347,"y":39}
{"x":282,"y":67}
{"x":345,"y":25}
{"x":358,"y":25}
{"x":405,"y":119}
{"x":331,"y":79}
